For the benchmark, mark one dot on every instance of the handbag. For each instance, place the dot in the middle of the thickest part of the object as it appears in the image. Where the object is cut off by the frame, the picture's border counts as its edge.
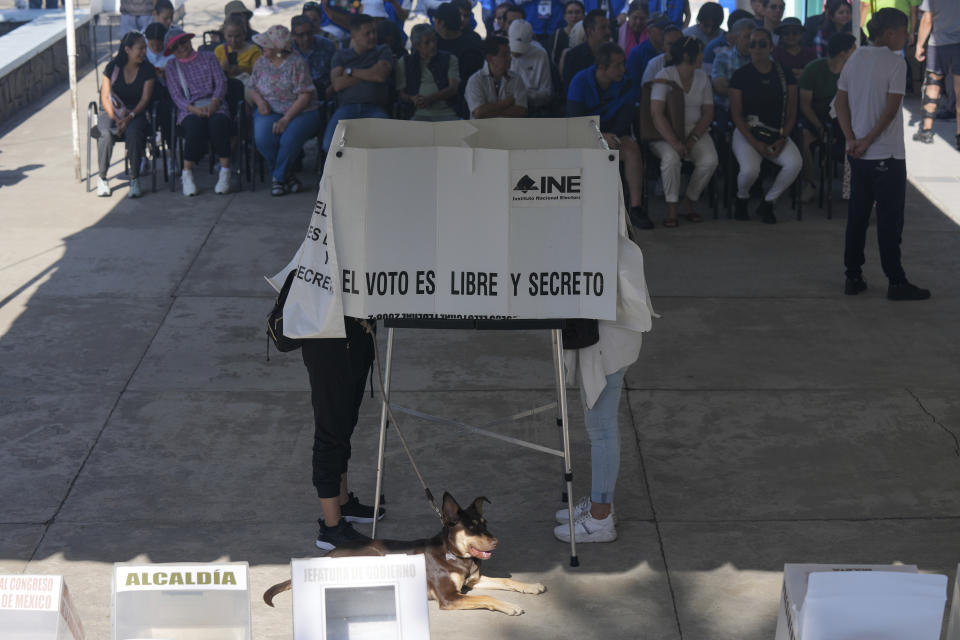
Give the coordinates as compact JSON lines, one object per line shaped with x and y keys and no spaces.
{"x":762,"y":132}
{"x":674,"y":111}
{"x":578,"y":333}
{"x":275,"y":320}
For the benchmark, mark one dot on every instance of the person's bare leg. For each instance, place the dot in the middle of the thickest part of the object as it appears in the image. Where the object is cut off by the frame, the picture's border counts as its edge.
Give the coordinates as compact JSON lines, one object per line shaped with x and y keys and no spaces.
{"x":689,"y":206}
{"x":225,"y":163}
{"x":932,"y":92}
{"x":188,"y":165}
{"x":331,"y":506}
{"x":808,"y":170}
{"x":599,"y":510}
{"x":672,"y":210}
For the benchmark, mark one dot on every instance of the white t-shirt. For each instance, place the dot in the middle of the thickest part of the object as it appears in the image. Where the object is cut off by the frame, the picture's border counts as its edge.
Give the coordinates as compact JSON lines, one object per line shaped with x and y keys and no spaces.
{"x":481,"y":89}
{"x":700,"y":94}
{"x":374,"y":8}
{"x":655,"y":66}
{"x":868,"y":77}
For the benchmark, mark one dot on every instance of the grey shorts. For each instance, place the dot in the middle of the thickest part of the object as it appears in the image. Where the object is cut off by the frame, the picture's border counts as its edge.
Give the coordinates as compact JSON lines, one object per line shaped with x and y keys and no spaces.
{"x":944,"y":60}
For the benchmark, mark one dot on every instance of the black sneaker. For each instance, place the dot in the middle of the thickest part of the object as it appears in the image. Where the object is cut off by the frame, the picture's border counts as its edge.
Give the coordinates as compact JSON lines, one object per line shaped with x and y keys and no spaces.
{"x":765,"y":213}
{"x":906,"y":291}
{"x":924,"y":135}
{"x":353,"y":511}
{"x":854,"y":286}
{"x":293,"y":185}
{"x":740,"y":209}
{"x":640,"y":219}
{"x":330,"y":538}
{"x":278,"y":188}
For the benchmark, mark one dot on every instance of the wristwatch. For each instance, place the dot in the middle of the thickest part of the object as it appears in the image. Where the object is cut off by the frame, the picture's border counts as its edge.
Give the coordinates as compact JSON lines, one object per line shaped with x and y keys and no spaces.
{"x":348,"y":72}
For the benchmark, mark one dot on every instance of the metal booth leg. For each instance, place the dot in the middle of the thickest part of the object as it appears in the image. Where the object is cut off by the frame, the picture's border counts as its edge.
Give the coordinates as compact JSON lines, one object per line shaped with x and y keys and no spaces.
{"x":554,"y":336}
{"x":383,"y":430}
{"x":567,"y":466}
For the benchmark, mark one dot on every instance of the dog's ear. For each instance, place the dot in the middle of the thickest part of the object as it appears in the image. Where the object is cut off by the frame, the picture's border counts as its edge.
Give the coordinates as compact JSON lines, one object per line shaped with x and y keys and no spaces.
{"x":478,"y":504}
{"x":451,"y":510}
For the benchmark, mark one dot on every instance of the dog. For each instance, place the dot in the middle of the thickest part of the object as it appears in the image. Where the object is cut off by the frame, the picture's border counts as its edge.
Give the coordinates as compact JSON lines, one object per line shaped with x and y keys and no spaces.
{"x":453,"y":558}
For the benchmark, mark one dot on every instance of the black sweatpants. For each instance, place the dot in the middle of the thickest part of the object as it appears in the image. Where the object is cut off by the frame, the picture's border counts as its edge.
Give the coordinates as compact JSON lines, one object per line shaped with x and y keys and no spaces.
{"x":198,"y":131}
{"x":136,"y":139}
{"x":883,"y":182}
{"x":338,"y":369}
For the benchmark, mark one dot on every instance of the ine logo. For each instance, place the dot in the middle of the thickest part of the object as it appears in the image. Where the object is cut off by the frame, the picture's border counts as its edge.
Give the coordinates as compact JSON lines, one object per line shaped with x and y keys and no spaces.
{"x":546,"y":187}
{"x":525,"y":184}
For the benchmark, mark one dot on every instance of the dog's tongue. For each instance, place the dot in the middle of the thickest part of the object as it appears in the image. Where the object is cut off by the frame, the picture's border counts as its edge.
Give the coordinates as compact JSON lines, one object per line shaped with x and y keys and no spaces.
{"x":483,"y":555}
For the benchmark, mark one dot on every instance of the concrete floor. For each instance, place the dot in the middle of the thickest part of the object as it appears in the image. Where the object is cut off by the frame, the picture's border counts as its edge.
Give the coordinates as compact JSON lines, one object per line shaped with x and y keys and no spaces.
{"x":770,"y":419}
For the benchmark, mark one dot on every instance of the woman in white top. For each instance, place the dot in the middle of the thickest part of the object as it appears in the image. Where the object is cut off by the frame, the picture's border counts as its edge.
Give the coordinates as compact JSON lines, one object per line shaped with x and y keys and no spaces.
{"x":696,"y":146}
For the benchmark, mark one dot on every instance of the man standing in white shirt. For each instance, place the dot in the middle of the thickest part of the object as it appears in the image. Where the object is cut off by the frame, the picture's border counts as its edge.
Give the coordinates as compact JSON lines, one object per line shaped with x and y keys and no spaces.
{"x":531,"y":63}
{"x":869,"y":97}
{"x":495,"y":92}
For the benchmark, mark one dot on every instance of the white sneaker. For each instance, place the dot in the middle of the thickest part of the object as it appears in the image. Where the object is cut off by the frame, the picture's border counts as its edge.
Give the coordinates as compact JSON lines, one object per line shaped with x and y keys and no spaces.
{"x":582,"y":506}
{"x":134,"y":188}
{"x":103,"y":189}
{"x":223,"y":181}
{"x":189,"y":188}
{"x":586,"y":528}
{"x":808,"y":193}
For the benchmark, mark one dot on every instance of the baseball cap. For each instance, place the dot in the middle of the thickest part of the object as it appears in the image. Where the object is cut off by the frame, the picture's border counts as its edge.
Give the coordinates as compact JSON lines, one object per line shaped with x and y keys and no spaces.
{"x":520,"y":35}
{"x":659,"y":21}
{"x":174,"y":34}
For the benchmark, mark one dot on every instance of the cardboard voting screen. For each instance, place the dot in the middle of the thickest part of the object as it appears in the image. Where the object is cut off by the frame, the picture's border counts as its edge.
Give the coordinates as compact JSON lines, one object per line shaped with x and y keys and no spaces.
{"x":37,"y":607}
{"x":364,"y":598}
{"x":847,"y":602}
{"x":459,"y":221}
{"x":953,"y":627}
{"x":182,"y":601}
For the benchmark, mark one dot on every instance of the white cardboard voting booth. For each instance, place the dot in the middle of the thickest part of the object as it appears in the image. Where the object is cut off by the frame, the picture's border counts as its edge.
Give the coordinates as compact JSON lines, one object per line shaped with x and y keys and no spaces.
{"x":181,"y":601}
{"x":364,"y":598}
{"x":953,"y":627}
{"x":854,"y":602}
{"x":37,"y":607}
{"x":467,"y":221}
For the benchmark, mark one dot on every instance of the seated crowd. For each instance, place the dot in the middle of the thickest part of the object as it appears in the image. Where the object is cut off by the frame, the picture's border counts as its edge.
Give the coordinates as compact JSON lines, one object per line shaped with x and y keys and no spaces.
{"x":762,"y":88}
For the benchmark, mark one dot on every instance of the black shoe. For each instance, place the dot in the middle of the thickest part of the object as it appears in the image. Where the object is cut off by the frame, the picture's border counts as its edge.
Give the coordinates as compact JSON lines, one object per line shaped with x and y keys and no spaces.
{"x":330,"y":538}
{"x":854,"y":286}
{"x":640,"y":219}
{"x":278,"y":188}
{"x":740,"y":209}
{"x":353,"y":511}
{"x":906,"y":291}
{"x":924,"y":135}
{"x":765,"y":213}
{"x":293,"y":185}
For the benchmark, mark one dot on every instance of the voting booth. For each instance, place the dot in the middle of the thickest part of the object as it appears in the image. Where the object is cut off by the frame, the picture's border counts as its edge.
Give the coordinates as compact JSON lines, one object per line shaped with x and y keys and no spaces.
{"x":37,"y":607}
{"x":181,"y":601}
{"x":953,"y":626}
{"x":363,"y":598}
{"x":480,"y":224}
{"x":853,"y":602}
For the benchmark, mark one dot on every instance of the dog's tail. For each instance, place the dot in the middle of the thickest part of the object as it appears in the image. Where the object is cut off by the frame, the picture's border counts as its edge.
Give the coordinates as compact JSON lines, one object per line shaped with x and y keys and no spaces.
{"x":270,"y":593}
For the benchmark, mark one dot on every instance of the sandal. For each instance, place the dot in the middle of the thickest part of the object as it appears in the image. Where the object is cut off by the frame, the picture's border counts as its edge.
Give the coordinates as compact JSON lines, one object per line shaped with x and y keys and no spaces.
{"x":671,"y":222}
{"x":693,"y":216}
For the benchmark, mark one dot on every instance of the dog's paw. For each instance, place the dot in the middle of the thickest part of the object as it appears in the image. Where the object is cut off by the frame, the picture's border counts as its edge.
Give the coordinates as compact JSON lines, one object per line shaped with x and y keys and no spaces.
{"x":534,"y":588}
{"x":512,"y":609}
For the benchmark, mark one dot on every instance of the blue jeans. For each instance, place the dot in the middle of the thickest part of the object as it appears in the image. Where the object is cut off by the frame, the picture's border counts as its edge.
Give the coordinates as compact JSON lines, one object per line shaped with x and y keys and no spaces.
{"x":604,"y":433}
{"x":350,"y":112}
{"x":280,"y":151}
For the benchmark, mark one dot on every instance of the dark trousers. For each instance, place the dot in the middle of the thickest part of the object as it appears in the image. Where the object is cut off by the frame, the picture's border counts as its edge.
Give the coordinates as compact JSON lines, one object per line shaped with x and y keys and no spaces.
{"x":883,"y":182}
{"x":165,"y":109}
{"x":135,"y":136}
{"x":338,"y":369}
{"x":198,"y":132}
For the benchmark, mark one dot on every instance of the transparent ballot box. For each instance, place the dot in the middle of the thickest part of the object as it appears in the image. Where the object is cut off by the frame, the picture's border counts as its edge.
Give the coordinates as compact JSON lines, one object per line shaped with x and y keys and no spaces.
{"x":37,"y":607}
{"x":181,"y":601}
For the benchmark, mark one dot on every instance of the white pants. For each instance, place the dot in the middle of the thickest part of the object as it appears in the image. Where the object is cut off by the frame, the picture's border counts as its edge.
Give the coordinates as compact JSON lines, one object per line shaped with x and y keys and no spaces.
{"x":789,"y":160}
{"x":704,"y":158}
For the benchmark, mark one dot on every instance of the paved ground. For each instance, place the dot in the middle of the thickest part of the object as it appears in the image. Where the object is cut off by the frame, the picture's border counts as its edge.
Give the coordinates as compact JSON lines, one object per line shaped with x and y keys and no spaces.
{"x":769,"y":419}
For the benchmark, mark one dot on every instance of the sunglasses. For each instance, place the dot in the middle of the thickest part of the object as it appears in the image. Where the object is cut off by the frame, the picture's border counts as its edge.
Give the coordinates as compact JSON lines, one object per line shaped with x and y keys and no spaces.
{"x":760,"y":44}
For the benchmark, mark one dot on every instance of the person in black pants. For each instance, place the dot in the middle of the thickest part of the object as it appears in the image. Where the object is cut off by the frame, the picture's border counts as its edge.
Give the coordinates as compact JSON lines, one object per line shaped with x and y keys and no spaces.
{"x":869,"y":98}
{"x":124,"y":97}
{"x":338,"y":370}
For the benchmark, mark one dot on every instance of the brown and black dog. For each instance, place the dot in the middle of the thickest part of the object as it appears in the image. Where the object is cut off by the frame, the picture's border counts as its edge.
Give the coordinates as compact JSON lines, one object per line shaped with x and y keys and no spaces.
{"x":452,"y":557}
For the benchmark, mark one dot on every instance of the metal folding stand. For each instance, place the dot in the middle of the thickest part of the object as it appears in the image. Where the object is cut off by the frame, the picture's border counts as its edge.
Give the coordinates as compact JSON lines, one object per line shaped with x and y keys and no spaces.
{"x":561,"y":403}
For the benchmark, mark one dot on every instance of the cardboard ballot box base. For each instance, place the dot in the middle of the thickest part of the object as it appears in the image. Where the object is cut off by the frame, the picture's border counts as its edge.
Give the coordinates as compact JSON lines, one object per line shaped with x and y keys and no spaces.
{"x":846,"y":606}
{"x":953,"y":627}
{"x":37,"y":607}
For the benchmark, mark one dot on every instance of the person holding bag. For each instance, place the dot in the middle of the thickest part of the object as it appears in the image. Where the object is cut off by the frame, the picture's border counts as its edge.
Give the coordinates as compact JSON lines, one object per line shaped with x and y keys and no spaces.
{"x":763,"y":107}
{"x":695,"y":145}
{"x":125,"y":96}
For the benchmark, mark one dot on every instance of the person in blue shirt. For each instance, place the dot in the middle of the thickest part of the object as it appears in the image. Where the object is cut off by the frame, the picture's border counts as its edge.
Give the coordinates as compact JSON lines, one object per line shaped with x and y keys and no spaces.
{"x":677,"y":10}
{"x":545,"y":16}
{"x":603,"y":90}
{"x":615,"y":10}
{"x":647,"y":50}
{"x":724,"y":40}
